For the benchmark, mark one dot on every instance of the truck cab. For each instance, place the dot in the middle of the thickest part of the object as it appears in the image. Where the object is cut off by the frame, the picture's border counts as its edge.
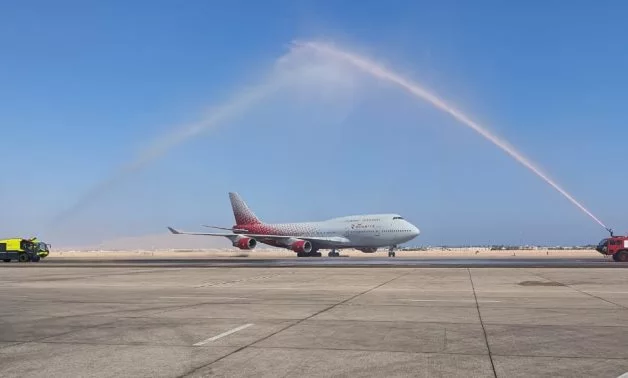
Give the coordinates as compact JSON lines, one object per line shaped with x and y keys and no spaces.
{"x":617,"y":246}
{"x":42,"y":249}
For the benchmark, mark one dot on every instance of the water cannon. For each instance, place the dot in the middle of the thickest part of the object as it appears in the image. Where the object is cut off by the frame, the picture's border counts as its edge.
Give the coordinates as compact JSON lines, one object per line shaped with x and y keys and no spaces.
{"x":610,"y":230}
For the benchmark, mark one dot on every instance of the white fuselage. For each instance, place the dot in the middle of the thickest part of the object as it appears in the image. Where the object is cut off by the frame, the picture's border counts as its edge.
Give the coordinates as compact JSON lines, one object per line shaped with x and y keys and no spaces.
{"x":359,"y":231}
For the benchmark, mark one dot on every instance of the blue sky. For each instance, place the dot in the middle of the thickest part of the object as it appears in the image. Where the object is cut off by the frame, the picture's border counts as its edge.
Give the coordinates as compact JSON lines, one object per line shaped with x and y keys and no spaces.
{"x":84,"y":86}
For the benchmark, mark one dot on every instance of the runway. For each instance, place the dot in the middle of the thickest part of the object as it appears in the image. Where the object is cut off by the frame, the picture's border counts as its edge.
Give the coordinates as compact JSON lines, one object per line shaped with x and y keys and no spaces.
{"x":188,"y":320}
{"x":330,"y":262}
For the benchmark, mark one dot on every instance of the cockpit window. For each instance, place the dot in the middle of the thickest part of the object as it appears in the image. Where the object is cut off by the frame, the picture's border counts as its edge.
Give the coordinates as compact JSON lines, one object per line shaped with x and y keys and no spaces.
{"x":397,"y":218}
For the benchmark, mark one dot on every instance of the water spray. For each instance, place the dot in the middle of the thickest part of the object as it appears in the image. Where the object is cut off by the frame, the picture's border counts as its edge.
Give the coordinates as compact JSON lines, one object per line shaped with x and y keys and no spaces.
{"x":290,"y":69}
{"x":415,"y":89}
{"x":161,"y":146}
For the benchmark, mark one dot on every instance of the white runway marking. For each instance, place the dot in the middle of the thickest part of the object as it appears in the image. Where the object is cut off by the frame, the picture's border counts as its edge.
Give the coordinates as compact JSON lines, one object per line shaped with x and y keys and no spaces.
{"x":229,"y":332}
{"x":447,"y":300}
{"x":625,"y":375}
{"x":199,"y":297}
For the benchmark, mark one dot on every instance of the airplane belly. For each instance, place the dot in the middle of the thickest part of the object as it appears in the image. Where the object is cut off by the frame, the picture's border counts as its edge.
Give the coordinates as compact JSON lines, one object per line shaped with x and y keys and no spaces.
{"x":370,"y":240}
{"x":325,"y":244}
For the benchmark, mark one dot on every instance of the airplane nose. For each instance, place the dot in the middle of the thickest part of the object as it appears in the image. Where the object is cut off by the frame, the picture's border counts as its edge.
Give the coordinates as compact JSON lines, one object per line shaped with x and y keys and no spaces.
{"x":415,"y":230}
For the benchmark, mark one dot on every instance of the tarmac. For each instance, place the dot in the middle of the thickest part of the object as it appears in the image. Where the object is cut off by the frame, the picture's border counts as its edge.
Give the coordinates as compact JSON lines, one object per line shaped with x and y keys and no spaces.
{"x":331,"y":262}
{"x":187,"y":320}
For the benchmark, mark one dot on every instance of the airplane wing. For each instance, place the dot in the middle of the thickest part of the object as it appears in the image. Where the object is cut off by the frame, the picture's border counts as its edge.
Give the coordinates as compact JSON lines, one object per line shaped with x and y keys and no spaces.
{"x":322,"y":240}
{"x":178,"y":232}
{"x":223,"y":228}
{"x":230,"y":236}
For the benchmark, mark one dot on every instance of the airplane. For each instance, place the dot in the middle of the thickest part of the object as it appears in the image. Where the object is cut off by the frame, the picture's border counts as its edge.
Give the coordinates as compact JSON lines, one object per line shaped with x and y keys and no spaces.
{"x":365,"y":233}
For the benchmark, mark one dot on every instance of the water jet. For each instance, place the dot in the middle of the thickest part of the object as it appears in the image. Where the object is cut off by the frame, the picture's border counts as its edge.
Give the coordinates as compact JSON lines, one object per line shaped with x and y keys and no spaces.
{"x":416,"y":90}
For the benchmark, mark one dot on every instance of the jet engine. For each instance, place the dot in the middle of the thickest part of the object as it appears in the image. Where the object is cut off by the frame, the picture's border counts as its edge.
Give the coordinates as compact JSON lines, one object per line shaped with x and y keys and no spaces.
{"x":367,"y":250}
{"x":245,"y":243}
{"x":301,"y":246}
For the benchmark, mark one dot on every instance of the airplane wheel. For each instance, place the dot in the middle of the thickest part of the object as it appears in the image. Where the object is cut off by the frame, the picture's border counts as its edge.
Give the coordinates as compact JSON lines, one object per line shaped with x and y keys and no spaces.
{"x":331,"y":254}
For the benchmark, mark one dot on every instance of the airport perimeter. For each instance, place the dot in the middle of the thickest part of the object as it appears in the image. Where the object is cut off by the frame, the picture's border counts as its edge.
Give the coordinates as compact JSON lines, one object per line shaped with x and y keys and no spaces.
{"x":187,"y":321}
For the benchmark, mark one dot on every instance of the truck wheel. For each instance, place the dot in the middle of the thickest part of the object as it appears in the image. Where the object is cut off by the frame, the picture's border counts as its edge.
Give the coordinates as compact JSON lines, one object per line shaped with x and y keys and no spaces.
{"x":621,"y":256}
{"x":7,"y":260}
{"x":36,"y":259}
{"x":23,"y":257}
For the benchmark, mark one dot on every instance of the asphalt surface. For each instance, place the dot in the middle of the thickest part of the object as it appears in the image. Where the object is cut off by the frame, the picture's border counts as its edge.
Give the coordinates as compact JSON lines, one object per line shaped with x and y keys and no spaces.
{"x":339,"y":262}
{"x":263,"y":322}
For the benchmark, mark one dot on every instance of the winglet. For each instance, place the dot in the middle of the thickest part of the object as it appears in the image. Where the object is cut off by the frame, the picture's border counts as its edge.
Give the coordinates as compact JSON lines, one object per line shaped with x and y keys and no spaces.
{"x":172,"y":230}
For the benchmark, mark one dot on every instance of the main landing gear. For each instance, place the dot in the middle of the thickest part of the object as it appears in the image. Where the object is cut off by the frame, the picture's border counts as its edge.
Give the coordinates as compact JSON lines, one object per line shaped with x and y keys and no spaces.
{"x":391,"y":251}
{"x":333,"y":253}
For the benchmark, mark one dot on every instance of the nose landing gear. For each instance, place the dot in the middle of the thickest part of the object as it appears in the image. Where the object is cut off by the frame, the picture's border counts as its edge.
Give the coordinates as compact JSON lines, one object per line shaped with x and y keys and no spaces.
{"x":333,"y":253}
{"x":391,"y":251}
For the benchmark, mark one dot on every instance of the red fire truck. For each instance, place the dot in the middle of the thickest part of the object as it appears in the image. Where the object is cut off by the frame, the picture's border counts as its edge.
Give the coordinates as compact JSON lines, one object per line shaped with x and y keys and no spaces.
{"x":616,"y":246}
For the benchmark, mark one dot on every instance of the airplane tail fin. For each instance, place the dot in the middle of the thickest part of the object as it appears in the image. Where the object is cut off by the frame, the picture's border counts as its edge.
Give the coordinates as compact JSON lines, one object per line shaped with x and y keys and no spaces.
{"x":241,"y":212}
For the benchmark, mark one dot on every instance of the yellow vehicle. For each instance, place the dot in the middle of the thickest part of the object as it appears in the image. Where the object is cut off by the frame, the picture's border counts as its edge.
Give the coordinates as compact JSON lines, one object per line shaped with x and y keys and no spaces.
{"x":23,"y":250}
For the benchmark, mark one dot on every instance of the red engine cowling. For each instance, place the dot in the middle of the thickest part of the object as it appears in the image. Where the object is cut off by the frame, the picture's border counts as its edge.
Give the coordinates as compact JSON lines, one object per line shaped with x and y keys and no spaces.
{"x":245,"y":243}
{"x":301,"y":246}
